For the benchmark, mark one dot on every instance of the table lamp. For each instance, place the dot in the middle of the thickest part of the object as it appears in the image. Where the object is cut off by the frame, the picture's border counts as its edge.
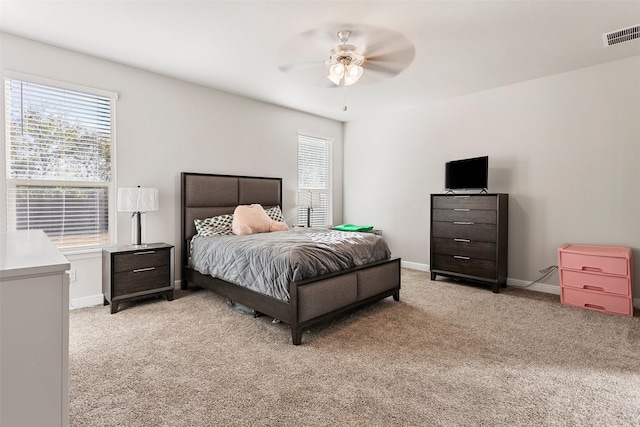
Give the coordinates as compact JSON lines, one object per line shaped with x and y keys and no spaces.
{"x":308,"y":199}
{"x":137,"y":200}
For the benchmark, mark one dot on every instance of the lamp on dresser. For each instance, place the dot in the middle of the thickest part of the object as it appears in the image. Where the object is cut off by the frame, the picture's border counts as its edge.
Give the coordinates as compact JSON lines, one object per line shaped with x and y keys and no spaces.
{"x":137,"y":200}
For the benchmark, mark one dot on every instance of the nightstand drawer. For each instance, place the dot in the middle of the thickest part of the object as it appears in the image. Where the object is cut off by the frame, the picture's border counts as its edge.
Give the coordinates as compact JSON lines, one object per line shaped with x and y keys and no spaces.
{"x":595,"y":282}
{"x":597,"y":301}
{"x":461,"y":230}
{"x":142,"y":279}
{"x":140,"y":259}
{"x":465,"y":202}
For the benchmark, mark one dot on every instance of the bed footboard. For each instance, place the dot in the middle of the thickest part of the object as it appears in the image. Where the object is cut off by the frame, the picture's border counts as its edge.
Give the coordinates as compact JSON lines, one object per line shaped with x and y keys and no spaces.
{"x":317,"y":299}
{"x":320,"y":299}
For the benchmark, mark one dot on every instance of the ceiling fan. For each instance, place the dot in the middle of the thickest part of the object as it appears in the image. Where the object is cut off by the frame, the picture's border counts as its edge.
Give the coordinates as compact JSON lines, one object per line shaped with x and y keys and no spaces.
{"x":363,"y":54}
{"x":345,"y":61}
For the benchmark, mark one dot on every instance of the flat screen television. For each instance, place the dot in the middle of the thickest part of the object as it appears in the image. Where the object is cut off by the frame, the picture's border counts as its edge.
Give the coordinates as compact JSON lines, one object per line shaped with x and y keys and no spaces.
{"x":467,"y":174}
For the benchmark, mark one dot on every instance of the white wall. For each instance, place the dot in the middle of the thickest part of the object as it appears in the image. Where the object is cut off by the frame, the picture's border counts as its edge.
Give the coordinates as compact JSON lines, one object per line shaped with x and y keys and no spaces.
{"x":565,"y":147}
{"x":165,"y":126}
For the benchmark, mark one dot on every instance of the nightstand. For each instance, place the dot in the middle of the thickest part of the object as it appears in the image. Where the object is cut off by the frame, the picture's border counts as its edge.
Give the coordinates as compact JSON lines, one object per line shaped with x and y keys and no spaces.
{"x":132,"y":272}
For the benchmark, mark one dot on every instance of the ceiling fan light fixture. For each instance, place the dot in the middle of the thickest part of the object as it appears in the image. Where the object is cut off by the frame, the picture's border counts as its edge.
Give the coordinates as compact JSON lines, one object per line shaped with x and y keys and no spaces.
{"x":355,"y":71}
{"x":353,"y":75}
{"x":336,"y":73}
{"x":335,"y":79}
{"x":345,"y":62}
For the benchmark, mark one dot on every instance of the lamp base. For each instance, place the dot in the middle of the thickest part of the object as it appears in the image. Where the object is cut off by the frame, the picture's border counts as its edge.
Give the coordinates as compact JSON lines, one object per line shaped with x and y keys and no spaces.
{"x":137,"y":229}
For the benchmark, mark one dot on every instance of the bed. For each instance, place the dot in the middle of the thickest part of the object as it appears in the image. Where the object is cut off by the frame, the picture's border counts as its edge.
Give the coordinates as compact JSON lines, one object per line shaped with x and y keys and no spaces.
{"x":311,"y":300}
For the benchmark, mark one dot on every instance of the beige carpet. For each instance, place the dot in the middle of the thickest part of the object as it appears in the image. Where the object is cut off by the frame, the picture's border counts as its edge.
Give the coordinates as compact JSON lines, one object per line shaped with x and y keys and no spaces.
{"x":445,"y":355}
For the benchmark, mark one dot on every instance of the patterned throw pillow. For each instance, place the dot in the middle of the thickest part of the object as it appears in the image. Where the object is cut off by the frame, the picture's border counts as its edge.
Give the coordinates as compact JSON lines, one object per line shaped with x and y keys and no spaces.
{"x":275,"y":213}
{"x":214,"y":226}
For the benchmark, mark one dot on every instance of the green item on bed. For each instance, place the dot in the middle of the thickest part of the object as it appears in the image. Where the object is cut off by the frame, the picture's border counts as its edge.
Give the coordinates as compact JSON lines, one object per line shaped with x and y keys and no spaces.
{"x":353,"y":227}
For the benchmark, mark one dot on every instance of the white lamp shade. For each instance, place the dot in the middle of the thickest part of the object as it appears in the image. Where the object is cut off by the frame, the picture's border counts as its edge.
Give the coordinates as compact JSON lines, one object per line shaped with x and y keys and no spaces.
{"x":353,"y":75}
{"x":336,"y":72}
{"x":137,"y":199}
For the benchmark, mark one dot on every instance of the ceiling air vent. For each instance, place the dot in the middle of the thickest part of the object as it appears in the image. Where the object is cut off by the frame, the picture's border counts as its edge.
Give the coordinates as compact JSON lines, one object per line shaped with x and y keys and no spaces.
{"x":621,"y":36}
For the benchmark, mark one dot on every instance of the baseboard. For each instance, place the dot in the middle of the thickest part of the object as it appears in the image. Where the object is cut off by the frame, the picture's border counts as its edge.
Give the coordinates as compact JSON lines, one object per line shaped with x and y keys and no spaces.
{"x":86,"y":301}
{"x":414,"y":266}
{"x":538,"y":287}
{"x":522,"y":284}
{"x":97,"y":299}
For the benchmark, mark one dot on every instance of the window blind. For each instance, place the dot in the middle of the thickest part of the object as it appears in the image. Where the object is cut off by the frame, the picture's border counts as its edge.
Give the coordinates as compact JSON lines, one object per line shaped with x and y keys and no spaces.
{"x":59,"y":162}
{"x":315,"y":180}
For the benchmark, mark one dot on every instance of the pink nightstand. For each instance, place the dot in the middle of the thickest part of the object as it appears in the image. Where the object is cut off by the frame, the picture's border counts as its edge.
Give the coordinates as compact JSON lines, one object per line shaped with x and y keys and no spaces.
{"x":596,"y":277}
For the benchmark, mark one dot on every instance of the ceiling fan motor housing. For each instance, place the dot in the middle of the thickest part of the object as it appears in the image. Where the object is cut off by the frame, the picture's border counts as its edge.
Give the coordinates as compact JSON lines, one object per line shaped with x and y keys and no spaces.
{"x":346,"y":54}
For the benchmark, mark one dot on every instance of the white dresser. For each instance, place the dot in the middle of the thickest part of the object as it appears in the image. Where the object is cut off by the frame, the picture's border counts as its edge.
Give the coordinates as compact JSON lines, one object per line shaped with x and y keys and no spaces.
{"x":34,"y":331}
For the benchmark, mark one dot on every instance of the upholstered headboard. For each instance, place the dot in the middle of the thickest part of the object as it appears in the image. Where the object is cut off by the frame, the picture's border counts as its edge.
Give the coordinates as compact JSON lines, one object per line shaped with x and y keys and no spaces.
{"x":206,"y":195}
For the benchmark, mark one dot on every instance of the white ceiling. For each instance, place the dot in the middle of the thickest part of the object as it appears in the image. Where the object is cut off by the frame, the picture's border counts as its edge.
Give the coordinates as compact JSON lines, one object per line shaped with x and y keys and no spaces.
{"x":236,"y":46}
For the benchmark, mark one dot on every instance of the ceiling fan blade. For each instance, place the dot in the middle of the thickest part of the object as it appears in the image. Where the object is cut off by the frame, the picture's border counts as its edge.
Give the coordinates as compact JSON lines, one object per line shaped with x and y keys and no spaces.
{"x":387,"y":43}
{"x":299,"y":66}
{"x":403,"y":57}
{"x":390,"y":69}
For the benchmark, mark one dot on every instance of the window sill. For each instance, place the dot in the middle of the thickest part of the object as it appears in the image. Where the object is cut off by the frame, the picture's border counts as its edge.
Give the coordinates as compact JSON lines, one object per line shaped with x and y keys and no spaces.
{"x":76,"y":254}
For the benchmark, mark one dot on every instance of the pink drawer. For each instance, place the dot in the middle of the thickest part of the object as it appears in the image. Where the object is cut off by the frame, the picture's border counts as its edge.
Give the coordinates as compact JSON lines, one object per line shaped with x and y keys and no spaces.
{"x":595,"y":259}
{"x":597,"y":301}
{"x":596,"y":282}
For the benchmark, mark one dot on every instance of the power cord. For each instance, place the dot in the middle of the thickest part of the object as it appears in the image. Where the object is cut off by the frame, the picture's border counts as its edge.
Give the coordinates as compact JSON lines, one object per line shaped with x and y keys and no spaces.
{"x":545,"y":273}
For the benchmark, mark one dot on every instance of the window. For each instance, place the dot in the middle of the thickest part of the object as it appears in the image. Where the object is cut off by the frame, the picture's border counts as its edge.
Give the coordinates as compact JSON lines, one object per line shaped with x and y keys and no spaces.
{"x":315,"y":180}
{"x":59,"y":142}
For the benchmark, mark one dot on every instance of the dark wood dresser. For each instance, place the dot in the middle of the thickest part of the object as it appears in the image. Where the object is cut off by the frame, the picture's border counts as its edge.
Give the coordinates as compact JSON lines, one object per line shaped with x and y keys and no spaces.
{"x":469,"y":235}
{"x":131,"y":272}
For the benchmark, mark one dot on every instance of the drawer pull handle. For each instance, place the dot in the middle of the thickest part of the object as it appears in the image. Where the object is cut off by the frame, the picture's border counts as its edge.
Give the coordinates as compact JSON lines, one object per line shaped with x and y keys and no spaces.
{"x":140,"y":270}
{"x":463,"y":222}
{"x":592,"y":269}
{"x":462,"y":210}
{"x":462,"y":240}
{"x":592,"y":288}
{"x":597,"y":307}
{"x":462,"y":197}
{"x":144,"y":253}
{"x":461,"y":257}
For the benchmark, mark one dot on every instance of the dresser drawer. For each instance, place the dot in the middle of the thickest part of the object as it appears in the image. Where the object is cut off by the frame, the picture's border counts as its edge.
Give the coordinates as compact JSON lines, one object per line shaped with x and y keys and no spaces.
{"x":143,"y":279}
{"x":465,"y":215}
{"x":597,"y":259}
{"x":470,"y":267}
{"x":596,"y":282}
{"x":461,"y":230}
{"x":472,"y":249}
{"x":130,"y":261}
{"x":464,"y":202}
{"x":596,"y":301}
{"x":594,"y":263}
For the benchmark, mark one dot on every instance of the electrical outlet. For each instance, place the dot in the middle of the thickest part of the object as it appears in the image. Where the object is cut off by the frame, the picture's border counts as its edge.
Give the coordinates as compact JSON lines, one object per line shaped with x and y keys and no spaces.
{"x":72,"y":275}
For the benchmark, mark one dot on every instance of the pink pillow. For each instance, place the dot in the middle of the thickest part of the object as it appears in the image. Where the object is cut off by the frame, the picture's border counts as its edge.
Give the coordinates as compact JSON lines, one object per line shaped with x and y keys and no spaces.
{"x":251,"y":219}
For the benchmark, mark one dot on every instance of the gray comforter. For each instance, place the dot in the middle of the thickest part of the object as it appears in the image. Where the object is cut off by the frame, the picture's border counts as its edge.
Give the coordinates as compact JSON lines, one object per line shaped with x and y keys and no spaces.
{"x":267,"y":262}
